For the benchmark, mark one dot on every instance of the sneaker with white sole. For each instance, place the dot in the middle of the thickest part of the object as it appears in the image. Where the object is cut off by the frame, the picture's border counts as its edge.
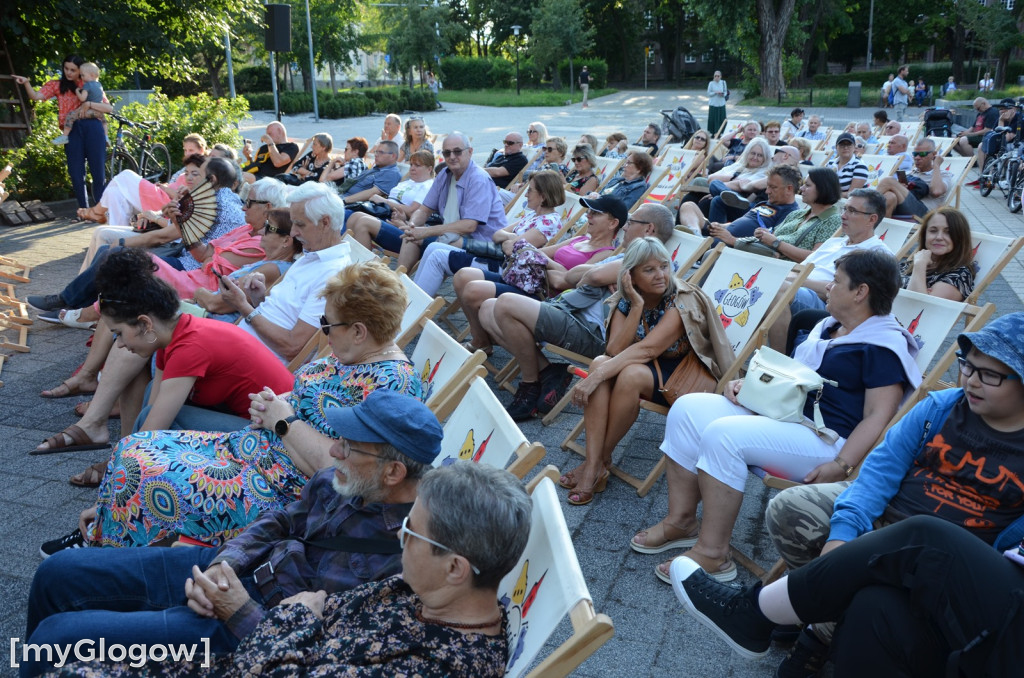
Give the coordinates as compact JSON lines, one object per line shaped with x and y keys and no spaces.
{"x":730,"y":612}
{"x":75,"y":540}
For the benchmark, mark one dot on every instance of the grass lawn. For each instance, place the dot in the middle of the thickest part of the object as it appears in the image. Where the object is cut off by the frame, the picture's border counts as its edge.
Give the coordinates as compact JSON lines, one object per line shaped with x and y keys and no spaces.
{"x":508,"y":98}
{"x":827,"y":98}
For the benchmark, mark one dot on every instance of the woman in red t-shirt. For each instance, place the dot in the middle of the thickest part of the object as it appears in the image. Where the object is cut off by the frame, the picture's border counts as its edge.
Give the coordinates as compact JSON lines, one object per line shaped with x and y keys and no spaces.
{"x":87,"y":140}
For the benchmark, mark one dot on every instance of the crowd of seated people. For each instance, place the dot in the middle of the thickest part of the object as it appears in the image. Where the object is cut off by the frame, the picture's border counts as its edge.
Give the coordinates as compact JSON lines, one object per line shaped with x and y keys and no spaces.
{"x":249,"y":459}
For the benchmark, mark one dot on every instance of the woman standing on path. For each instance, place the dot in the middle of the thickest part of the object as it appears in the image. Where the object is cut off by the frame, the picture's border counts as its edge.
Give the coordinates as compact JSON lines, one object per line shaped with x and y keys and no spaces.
{"x":87,"y":140}
{"x":718,"y":91}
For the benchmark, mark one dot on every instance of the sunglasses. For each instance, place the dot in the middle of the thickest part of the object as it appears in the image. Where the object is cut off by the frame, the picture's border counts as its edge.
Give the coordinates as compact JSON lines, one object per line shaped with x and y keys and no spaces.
{"x":591,"y":212}
{"x":578,"y":159}
{"x":457,"y":152}
{"x":549,"y":149}
{"x":921,"y":154}
{"x":250,"y":203}
{"x":269,"y":228}
{"x":325,"y":326}
{"x":531,"y":131}
{"x":511,"y":143}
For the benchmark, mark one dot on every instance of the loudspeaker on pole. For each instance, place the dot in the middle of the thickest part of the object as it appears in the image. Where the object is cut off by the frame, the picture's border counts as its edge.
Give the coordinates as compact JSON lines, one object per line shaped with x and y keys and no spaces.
{"x":279,"y":28}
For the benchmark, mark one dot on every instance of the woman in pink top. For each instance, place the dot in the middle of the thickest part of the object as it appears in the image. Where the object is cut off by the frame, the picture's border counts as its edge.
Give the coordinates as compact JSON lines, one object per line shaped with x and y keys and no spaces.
{"x":473,"y":286}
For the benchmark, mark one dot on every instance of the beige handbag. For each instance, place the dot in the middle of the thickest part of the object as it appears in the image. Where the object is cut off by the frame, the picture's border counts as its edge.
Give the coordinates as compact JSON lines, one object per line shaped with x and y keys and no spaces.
{"x":776,"y":386}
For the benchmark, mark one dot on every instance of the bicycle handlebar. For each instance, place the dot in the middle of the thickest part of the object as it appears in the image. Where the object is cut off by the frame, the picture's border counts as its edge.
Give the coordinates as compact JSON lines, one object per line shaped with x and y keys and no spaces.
{"x":152,"y":124}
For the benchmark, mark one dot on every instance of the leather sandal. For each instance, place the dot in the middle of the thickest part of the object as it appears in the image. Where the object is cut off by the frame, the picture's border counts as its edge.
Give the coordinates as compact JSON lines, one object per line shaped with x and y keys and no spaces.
{"x":580,"y":497}
{"x":80,"y":441}
{"x":91,"y":476}
{"x":665,"y":544}
{"x":568,"y":479}
{"x":68,"y":391}
{"x":724,"y":572}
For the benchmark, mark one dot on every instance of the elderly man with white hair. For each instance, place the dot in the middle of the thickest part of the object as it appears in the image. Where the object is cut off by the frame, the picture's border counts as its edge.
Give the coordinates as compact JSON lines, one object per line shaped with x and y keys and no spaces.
{"x":286,"y":317}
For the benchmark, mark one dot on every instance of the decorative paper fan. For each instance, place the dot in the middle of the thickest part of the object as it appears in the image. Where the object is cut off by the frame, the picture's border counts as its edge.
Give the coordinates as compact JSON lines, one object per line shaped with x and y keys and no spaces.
{"x":198,"y":211}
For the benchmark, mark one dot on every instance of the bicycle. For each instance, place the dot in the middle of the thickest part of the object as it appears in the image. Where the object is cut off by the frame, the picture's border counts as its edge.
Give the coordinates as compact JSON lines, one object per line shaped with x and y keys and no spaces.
{"x":152,"y":160}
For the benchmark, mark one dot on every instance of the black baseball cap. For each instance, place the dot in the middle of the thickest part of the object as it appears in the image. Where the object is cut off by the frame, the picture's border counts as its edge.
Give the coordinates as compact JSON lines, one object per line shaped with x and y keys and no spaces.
{"x":609,"y":205}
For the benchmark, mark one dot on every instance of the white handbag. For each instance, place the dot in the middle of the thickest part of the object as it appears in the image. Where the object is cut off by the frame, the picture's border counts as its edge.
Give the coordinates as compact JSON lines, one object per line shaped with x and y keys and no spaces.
{"x":776,"y":386}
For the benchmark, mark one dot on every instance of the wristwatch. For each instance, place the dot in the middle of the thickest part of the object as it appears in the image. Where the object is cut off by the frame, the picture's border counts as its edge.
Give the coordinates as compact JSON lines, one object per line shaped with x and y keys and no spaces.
{"x":252,"y":314}
{"x":281,"y":427}
{"x":775,"y":244}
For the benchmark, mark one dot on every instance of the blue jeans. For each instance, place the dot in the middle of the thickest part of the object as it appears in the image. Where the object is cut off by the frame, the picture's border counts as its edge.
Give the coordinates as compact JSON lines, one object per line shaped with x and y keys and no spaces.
{"x":716,"y":187}
{"x":81,"y":291}
{"x":125,"y":596}
{"x":192,"y":418}
{"x":806,"y":299}
{"x":87,"y":142}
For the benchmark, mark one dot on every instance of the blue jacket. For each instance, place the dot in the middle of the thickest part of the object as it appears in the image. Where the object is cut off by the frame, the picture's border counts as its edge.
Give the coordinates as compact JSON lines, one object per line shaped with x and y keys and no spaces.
{"x":884,"y":469}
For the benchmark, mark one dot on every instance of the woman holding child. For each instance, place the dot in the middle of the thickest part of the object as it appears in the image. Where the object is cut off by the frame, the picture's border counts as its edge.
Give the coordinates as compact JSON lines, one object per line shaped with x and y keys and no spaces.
{"x":87,"y":140}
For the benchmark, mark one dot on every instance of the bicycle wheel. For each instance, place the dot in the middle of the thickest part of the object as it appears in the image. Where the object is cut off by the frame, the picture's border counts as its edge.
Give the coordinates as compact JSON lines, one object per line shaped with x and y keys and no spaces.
{"x":156,"y":164}
{"x":119,"y":160}
{"x":1013,"y":198}
{"x":989,"y":176}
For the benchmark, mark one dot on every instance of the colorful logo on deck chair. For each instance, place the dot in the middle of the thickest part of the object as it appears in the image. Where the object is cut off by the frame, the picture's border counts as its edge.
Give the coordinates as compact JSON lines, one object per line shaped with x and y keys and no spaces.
{"x":468,"y":451}
{"x":734,"y":303}
{"x":912,"y":328}
{"x":517,"y":607}
{"x":428,"y":374}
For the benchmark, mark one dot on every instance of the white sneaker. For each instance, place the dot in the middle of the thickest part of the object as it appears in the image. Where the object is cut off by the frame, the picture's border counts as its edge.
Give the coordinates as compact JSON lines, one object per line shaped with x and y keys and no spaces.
{"x":61,"y":140}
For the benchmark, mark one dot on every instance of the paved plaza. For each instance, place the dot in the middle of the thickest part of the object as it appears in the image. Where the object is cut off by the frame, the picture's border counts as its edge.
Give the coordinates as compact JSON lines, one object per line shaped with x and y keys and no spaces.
{"x":653,"y":637}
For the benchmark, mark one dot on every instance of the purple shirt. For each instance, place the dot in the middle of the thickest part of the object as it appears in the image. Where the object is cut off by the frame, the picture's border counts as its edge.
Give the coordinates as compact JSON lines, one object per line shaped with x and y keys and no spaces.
{"x":478,"y":200}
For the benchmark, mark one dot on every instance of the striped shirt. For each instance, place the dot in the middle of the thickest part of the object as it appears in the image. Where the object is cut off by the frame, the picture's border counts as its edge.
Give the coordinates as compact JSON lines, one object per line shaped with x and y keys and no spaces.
{"x":854,"y":169}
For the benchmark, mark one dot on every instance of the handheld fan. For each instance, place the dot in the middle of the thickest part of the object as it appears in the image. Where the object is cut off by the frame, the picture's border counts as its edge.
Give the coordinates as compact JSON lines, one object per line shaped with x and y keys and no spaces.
{"x":198,"y":211}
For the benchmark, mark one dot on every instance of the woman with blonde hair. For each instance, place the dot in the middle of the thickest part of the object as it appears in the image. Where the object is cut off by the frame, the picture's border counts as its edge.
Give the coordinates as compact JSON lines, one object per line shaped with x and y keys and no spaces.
{"x":417,"y":138}
{"x":581,"y":179}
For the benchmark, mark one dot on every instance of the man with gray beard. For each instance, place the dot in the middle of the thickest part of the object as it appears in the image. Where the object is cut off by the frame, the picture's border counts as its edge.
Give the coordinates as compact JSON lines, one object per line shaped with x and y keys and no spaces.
{"x":341,"y":533}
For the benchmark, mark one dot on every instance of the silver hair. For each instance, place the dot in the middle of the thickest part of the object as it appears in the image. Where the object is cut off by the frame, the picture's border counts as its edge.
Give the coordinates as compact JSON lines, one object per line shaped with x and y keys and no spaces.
{"x":661,"y":217}
{"x":321,"y":201}
{"x":480,"y":512}
{"x":466,"y":143}
{"x":587,"y":152}
{"x":271,"y":190}
{"x":639,"y":252}
{"x":388,"y":452}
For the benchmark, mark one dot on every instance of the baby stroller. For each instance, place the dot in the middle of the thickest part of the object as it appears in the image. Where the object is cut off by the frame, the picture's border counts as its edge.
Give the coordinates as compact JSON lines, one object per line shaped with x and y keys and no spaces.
{"x":938,"y":122}
{"x":679,"y":125}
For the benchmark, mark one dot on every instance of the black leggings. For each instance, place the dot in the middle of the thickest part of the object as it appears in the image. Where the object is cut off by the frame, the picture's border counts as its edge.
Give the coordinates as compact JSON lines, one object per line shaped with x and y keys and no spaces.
{"x":910,"y":597}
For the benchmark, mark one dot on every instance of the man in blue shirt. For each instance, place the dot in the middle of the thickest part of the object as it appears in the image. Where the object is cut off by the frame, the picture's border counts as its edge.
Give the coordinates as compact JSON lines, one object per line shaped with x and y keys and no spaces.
{"x":379,"y":179}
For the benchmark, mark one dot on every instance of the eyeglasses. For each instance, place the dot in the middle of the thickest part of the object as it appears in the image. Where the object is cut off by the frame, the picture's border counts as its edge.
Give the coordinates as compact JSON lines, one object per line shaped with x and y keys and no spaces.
{"x":532,"y":131}
{"x":548,"y":149}
{"x":457,"y":152}
{"x":249,"y":203}
{"x":347,"y":450}
{"x":271,"y":229}
{"x":325,"y":326}
{"x":404,"y":530}
{"x":631,"y":220}
{"x":578,"y":159}
{"x":988,"y":377}
{"x":380,"y":152}
{"x":921,"y":154}
{"x":512,"y":143}
{"x":628,"y":162}
{"x":851,"y":210}
{"x":416,"y":117}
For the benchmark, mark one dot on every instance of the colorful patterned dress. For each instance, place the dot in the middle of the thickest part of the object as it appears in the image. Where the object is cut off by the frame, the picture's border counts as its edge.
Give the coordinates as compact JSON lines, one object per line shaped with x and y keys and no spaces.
{"x":209,"y":486}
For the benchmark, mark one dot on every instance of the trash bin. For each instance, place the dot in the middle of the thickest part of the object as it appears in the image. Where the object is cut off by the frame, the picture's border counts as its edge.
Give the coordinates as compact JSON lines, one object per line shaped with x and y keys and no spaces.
{"x":853,"y":95}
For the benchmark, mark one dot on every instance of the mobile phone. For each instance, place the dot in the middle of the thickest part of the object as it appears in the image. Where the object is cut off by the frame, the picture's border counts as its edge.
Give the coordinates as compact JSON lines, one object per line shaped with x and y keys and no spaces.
{"x":248,"y":142}
{"x":901,"y":176}
{"x":1016,"y":554}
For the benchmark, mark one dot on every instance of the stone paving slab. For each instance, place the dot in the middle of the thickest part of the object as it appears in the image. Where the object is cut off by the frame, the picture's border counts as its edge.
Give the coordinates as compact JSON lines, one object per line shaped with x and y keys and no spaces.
{"x":653,"y":637}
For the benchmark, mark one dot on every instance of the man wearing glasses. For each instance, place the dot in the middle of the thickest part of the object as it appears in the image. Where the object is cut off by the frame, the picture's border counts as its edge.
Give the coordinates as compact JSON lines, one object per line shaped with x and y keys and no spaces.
{"x":379,"y":179}
{"x":925,"y":187}
{"x":957,"y":455}
{"x":465,"y":197}
{"x":505,"y":165}
{"x":864,"y":209}
{"x":341,"y":533}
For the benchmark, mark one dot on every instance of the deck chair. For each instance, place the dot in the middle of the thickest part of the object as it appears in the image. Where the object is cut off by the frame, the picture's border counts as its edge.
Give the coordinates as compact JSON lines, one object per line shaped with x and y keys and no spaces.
{"x":315,"y":346}
{"x":744,"y":289}
{"x":895,"y":233}
{"x":665,"y":187}
{"x":443,"y":363}
{"x":911,"y":130}
{"x":544,"y":587}
{"x":359,"y":253}
{"x":879,"y":167}
{"x":943,"y":145}
{"x":730,"y":127}
{"x":819,"y":158}
{"x":637,"y":148}
{"x":958,"y":166}
{"x":421,"y":307}
{"x":477,"y":428}
{"x":606,"y":169}
{"x":667,"y":149}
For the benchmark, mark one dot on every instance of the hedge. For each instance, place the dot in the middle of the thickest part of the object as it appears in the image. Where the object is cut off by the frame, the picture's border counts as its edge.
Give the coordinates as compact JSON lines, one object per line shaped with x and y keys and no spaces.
{"x":933,"y":74}
{"x":598,"y":71}
{"x":350,"y":104}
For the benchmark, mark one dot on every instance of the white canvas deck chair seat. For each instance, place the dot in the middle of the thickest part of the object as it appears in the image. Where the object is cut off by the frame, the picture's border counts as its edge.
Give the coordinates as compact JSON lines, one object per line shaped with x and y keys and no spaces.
{"x":958,"y":167}
{"x":819,"y":158}
{"x":943,"y":145}
{"x":911,"y":130}
{"x":421,"y":307}
{"x":879,"y":167}
{"x":743,"y":285}
{"x":443,"y":364}
{"x":477,"y":428}
{"x":545,"y":587}
{"x":894,"y":233}
{"x":639,"y":148}
{"x":606,"y":169}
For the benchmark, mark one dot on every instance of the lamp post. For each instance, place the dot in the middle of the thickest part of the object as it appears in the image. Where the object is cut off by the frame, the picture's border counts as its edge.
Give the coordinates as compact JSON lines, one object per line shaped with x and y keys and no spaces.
{"x":515,"y":30}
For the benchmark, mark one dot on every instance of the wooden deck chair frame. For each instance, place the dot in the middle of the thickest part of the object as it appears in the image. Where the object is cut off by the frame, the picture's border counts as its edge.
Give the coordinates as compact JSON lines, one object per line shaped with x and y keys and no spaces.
{"x":608,"y":168}
{"x":421,"y":307}
{"x":977,"y":318}
{"x":488,"y":413}
{"x":895,"y":233}
{"x":943,"y":145}
{"x":638,"y":148}
{"x":519,"y":177}
{"x":471,"y":365}
{"x":756,"y":338}
{"x":561,"y":569}
{"x":879,"y":167}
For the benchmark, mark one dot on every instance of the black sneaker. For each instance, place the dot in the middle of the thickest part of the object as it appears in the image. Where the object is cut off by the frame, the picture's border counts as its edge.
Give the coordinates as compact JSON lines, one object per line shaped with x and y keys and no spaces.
{"x":730,"y":612}
{"x":49,"y":302}
{"x":806,"y":658}
{"x":524,"y":402}
{"x":786,"y":634}
{"x":75,"y":540}
{"x":734,"y":200}
{"x":554,"y":382}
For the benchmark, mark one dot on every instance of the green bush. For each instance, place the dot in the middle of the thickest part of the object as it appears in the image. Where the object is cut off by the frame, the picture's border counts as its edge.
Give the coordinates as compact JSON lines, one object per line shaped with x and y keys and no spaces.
{"x":502,"y":73}
{"x":40,"y":168}
{"x":251,"y":79}
{"x":472,"y":72}
{"x":598,"y":71}
{"x":349,"y":104}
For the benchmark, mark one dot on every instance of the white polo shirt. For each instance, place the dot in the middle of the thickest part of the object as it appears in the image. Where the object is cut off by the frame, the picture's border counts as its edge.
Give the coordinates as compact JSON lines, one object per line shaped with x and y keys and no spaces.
{"x":824,"y":258}
{"x":296,"y":296}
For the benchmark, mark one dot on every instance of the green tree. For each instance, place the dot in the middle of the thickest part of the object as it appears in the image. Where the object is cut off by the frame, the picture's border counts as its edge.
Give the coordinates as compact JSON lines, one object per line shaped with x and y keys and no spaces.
{"x":558,"y":28}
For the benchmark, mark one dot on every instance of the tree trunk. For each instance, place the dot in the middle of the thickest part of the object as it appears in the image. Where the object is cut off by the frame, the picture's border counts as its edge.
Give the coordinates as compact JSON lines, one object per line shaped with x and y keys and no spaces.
{"x":956,"y":50}
{"x":808,"y":49}
{"x":773,"y":20}
{"x":334,"y":85}
{"x":572,"y":78}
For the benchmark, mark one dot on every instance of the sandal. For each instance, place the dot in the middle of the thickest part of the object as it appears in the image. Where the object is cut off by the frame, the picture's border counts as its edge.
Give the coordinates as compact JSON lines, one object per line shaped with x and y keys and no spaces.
{"x":70,"y":318}
{"x":83,"y":407}
{"x":580,"y":497}
{"x":80,"y":441}
{"x":649,"y":545}
{"x":91,"y":476}
{"x":68,"y":392}
{"x":568,"y":479}
{"x":96,"y":213}
{"x":725,"y":572}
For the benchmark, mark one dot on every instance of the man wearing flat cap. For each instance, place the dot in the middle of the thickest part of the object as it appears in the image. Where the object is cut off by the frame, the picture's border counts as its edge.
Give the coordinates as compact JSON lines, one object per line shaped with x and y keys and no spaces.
{"x":341,"y":533}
